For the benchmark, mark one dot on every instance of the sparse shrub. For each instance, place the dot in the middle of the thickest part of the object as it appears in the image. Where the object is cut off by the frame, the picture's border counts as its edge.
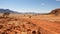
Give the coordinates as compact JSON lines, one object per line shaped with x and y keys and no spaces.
{"x":24,"y":15}
{"x":15,"y":19}
{"x":6,"y":15}
{"x":28,"y":23}
{"x":1,"y":26}
{"x":33,"y":32}
{"x":28,"y":29}
{"x":29,"y":16}
{"x":1,"y":17}
{"x":39,"y":32}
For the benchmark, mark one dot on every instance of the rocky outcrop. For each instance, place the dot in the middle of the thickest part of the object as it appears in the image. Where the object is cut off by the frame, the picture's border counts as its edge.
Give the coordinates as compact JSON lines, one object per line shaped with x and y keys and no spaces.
{"x":55,"y":12}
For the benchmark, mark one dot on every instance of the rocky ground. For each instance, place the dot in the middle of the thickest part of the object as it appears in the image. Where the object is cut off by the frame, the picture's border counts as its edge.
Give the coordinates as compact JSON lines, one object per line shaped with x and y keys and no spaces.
{"x":17,"y":26}
{"x":30,"y":24}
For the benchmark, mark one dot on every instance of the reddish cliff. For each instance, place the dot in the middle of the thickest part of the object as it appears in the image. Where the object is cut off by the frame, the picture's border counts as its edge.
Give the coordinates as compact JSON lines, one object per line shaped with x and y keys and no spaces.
{"x":55,"y":12}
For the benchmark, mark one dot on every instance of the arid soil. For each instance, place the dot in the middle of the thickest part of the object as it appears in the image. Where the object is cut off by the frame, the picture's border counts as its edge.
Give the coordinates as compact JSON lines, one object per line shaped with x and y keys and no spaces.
{"x":53,"y":27}
{"x":17,"y":26}
{"x":30,"y":23}
{"x":22,"y":25}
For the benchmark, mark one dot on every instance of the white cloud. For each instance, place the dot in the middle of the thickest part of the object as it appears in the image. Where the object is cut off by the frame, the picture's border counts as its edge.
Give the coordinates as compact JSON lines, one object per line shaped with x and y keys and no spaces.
{"x":57,"y":0}
{"x":42,"y":3}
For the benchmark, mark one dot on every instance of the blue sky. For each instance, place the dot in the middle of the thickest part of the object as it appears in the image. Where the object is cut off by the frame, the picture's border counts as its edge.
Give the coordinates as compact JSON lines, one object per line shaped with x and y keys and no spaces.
{"x":38,"y":6}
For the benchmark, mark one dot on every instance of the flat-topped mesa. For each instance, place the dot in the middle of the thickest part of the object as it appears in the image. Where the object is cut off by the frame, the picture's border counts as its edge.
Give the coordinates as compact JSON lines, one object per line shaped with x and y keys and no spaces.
{"x":55,"y":12}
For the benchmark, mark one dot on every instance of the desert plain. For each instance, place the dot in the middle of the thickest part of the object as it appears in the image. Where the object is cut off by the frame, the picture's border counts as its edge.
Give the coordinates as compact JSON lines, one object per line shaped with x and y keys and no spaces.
{"x":13,"y":23}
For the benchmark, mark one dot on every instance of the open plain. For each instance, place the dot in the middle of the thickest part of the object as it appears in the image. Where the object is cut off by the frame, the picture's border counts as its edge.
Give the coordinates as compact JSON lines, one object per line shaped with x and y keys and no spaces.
{"x":29,"y":24}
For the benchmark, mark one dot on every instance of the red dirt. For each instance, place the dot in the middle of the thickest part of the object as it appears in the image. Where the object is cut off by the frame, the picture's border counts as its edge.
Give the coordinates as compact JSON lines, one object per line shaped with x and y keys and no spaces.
{"x":46,"y":25}
{"x":27,"y":26}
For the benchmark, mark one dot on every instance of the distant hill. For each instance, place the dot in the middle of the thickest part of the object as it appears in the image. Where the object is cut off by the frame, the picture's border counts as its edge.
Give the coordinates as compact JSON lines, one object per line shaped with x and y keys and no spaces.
{"x":10,"y":11}
{"x":55,"y":12}
{"x":7,"y":11}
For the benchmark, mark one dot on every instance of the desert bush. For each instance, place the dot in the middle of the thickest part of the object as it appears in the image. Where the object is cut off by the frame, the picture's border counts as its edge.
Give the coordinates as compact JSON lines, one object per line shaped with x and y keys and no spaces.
{"x":38,"y":32}
{"x":28,"y":23}
{"x":28,"y":29}
{"x":1,"y":17}
{"x":1,"y":26}
{"x":29,"y":16}
{"x":6,"y":14}
{"x":33,"y":32}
